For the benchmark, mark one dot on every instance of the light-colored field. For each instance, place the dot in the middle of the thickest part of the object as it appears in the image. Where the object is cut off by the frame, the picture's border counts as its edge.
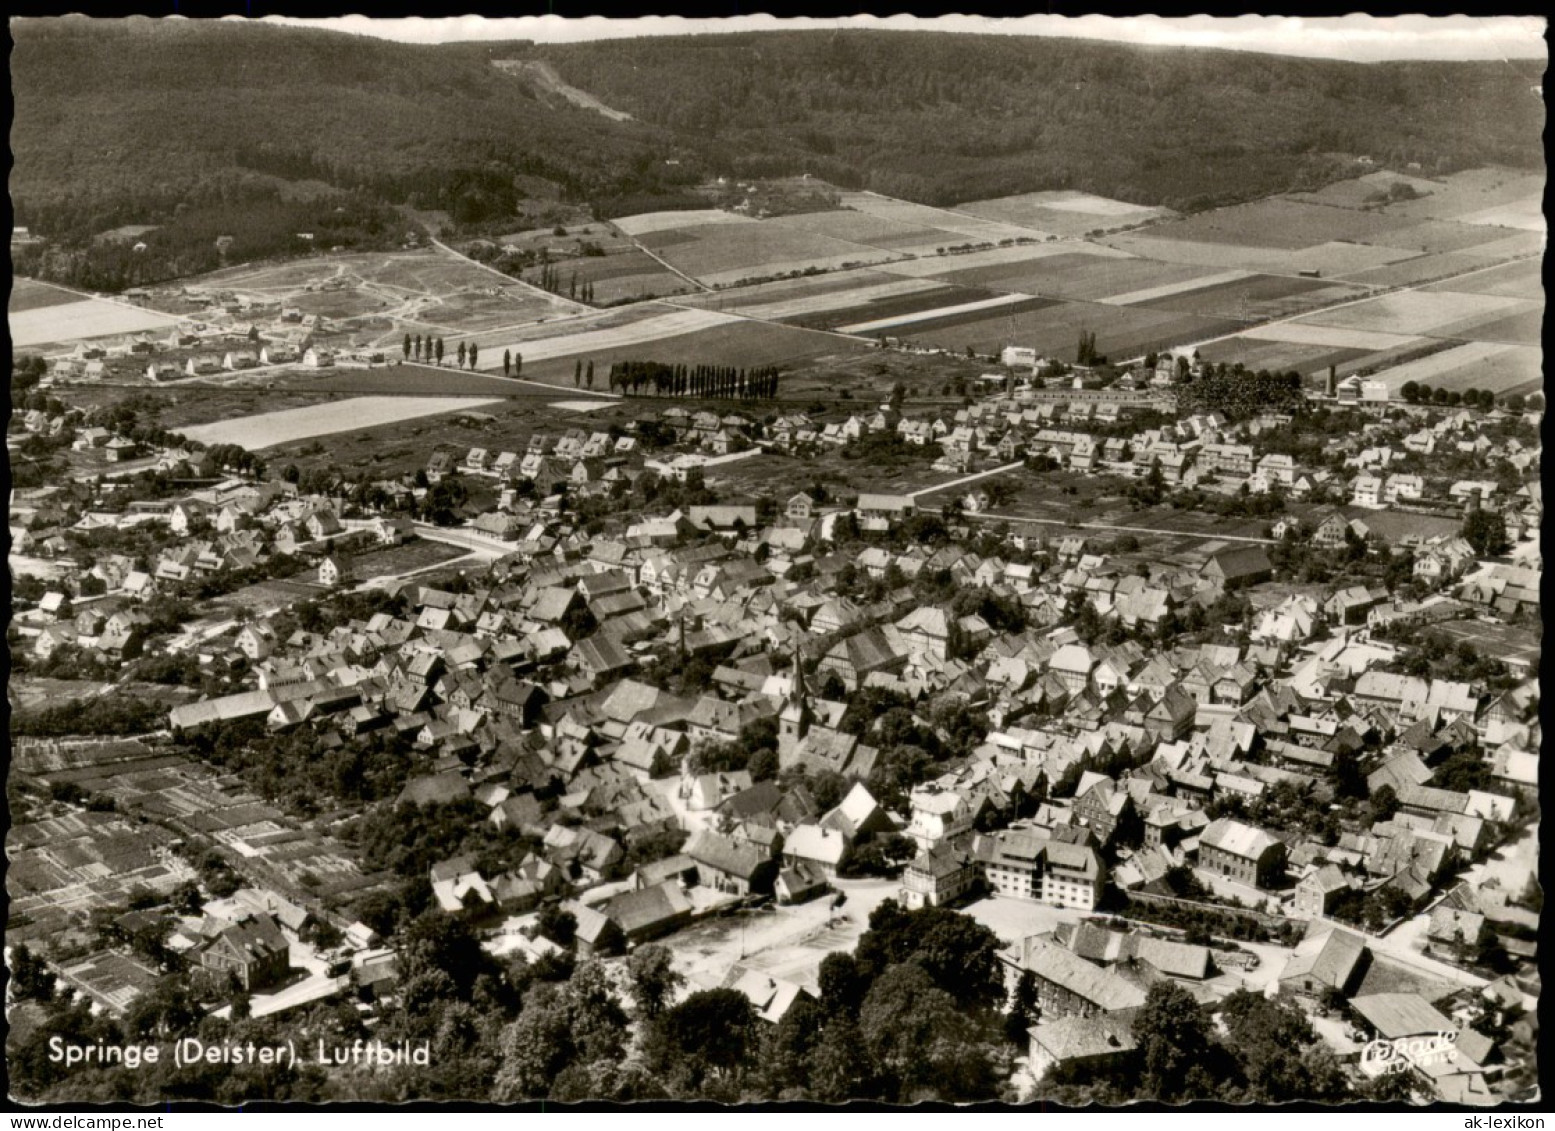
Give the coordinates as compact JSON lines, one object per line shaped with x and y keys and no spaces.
{"x":1420,"y":269}
{"x":931,"y":315}
{"x":782,"y":290}
{"x":584,"y":342}
{"x":649,"y":222}
{"x":88,"y":318}
{"x":268,"y":429}
{"x":1357,"y":193}
{"x":1414,"y":312}
{"x":1280,"y":222}
{"x":1431,"y":370}
{"x":1527,"y":214}
{"x":835,"y":300}
{"x":1299,"y":333}
{"x":1515,"y":280}
{"x":1220,"y":256}
{"x":1166,"y":290}
{"x":1062,"y":213}
{"x":971,"y":229}
{"x":1473,"y":190}
{"x":875,"y":231}
{"x":941,"y":265}
{"x":721,"y":254}
{"x":1340,"y":258}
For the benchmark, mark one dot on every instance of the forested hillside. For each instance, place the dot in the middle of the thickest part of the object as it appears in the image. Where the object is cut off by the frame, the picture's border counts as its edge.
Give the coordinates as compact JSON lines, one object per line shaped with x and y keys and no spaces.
{"x":124,"y":121}
{"x":118,"y":121}
{"x":946,"y":118}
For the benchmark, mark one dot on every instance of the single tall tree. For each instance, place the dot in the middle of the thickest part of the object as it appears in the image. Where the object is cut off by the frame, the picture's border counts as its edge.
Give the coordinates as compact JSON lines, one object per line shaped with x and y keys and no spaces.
{"x":474,"y":353}
{"x":589,"y":376}
{"x":407,"y":343}
{"x":440,"y":351}
{"x":461,"y":355}
{"x":507,"y":362}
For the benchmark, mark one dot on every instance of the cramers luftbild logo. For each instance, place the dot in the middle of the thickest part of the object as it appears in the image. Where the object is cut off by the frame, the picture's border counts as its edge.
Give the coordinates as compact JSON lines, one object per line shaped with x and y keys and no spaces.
{"x":1382,"y":1055}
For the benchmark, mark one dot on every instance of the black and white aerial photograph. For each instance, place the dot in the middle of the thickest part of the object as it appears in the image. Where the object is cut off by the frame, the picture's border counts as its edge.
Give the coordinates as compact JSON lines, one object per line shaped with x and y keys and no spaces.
{"x":763,"y":561}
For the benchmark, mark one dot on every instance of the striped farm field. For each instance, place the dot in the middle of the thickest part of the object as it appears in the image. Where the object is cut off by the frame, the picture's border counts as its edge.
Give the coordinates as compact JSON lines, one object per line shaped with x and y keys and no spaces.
{"x":942,"y":314}
{"x":1415,"y":312}
{"x":873,"y":231}
{"x":1473,"y":365}
{"x":1282,"y":223}
{"x":1525,"y":327}
{"x":1256,"y":298}
{"x":62,"y":323}
{"x":1523,"y":279}
{"x":1280,"y":357}
{"x":586,"y":337}
{"x":1053,"y":329}
{"x":738,"y":342}
{"x":744,"y":299}
{"x":944,"y":266}
{"x":720,"y":254}
{"x":1332,"y":337}
{"x":1419,"y":269}
{"x":1210,"y":256}
{"x":827,"y":311}
{"x":1181,"y":286}
{"x":1075,"y":272}
{"x":268,"y":429}
{"x":960,"y":227}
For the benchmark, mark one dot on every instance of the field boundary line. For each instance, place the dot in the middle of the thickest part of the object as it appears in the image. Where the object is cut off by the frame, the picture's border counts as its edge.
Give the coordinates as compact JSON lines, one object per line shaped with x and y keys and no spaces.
{"x":509,"y":278}
{"x":670,"y":267}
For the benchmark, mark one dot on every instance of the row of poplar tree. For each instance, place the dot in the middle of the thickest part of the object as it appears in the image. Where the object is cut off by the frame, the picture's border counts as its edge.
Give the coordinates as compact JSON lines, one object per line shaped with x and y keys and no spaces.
{"x":703,"y":381}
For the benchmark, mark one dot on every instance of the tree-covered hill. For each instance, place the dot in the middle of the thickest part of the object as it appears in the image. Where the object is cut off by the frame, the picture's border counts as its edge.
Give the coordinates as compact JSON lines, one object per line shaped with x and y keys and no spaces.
{"x":122,"y":121}
{"x":134,"y":114}
{"x":942,"y":118}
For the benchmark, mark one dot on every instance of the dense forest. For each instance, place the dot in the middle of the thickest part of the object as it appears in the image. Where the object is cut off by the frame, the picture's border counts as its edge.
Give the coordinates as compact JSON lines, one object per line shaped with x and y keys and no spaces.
{"x":202,"y":128}
{"x":117,"y":121}
{"x":943,"y":118}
